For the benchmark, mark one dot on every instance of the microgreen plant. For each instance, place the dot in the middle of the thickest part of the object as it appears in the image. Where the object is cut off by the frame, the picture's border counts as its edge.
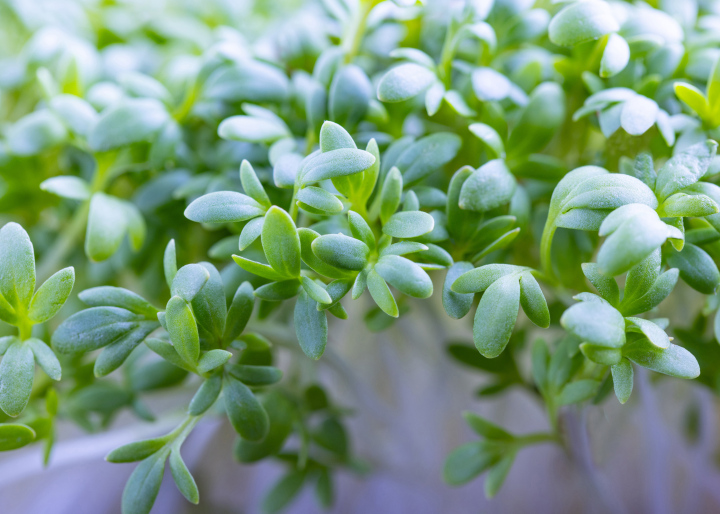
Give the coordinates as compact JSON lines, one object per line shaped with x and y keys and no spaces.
{"x":227,"y":190}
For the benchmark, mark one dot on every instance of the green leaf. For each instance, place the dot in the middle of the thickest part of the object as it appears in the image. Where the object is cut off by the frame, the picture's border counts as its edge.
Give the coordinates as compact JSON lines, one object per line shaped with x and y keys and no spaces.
{"x":427,"y":155}
{"x":109,"y":220}
{"x":16,"y":378}
{"x":496,"y":315}
{"x":311,"y":326}
{"x":206,"y":395}
{"x":114,"y":354}
{"x":334,"y":136}
{"x":130,"y":121}
{"x":479,"y":279}
{"x":682,"y":204}
{"x":490,"y":137}
{"x":17,"y":266}
{"x":489,"y":187}
{"x":404,"y":275}
{"x":118,"y":297}
{"x":188,"y":281}
{"x":283,"y":492}
{"x":281,"y":243}
{"x":596,"y":323}
{"x":167,"y":351}
{"x":239,"y":313}
{"x":675,"y":360}
{"x":540,"y":120}
{"x":601,"y":354}
{"x":490,"y":85}
{"x":582,"y":21}
{"x":485,"y":428}
{"x":183,"y":329}
{"x":390,"y":194}
{"x":622,"y":374}
{"x":315,"y":291}
{"x":469,"y":460}
{"x":183,"y":479}
{"x":497,"y":474}
{"x":638,"y":115}
{"x":654,"y":333}
{"x":693,"y":98}
{"x":314,"y":199}
{"x":143,"y":485}
{"x":656,"y":293}
{"x":252,"y":186}
{"x":68,"y":186}
{"x":634,"y":232}
{"x":408,"y":224}
{"x":341,"y":251}
{"x":696,"y":268}
{"x":349,"y":95}
{"x":94,"y":328}
{"x":35,"y":133}
{"x":281,"y":413}
{"x":533,"y":301}
{"x":223,"y":207}
{"x":52,"y":295}
{"x":615,"y":56}
{"x":169,"y":263}
{"x":381,"y":294}
{"x":578,"y":391}
{"x":278,"y":291}
{"x":256,"y":375}
{"x":250,"y":232}
{"x":606,"y":285}
{"x":247,"y":80}
{"x":456,"y":305}
{"x":213,"y":359}
{"x":247,"y":415}
{"x":253,"y":129}
{"x":14,"y":436}
{"x":336,"y":163}
{"x":404,"y":82}
{"x":307,"y":237}
{"x":684,"y":169}
{"x":258,"y":268}
{"x":45,"y":358}
{"x":361,"y":230}
{"x":134,"y":452}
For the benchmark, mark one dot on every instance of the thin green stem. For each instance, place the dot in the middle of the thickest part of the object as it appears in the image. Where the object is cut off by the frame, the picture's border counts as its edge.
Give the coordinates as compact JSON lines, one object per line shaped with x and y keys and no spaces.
{"x":538,"y":438}
{"x":293,"y":210}
{"x":546,"y":249}
{"x":356,"y":29}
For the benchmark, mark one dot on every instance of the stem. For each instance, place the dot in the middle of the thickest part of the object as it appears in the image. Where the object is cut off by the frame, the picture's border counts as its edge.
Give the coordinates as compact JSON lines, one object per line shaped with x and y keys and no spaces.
{"x":25,"y":330}
{"x":354,"y":34}
{"x":546,"y":248}
{"x":448,"y":52}
{"x":293,"y":210}
{"x":537,"y":438}
{"x":183,"y":430}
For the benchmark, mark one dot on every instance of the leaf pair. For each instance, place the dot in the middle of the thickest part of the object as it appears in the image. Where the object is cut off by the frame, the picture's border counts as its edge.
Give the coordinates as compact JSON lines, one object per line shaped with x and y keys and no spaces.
{"x":118,"y":320}
{"x":494,"y":454}
{"x":622,"y":107}
{"x":608,"y":338}
{"x":505,"y":288}
{"x":22,"y":306}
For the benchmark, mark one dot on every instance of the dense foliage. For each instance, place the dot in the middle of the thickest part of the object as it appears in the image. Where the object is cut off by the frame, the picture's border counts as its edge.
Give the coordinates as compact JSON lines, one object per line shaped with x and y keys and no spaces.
{"x":208,"y":172}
